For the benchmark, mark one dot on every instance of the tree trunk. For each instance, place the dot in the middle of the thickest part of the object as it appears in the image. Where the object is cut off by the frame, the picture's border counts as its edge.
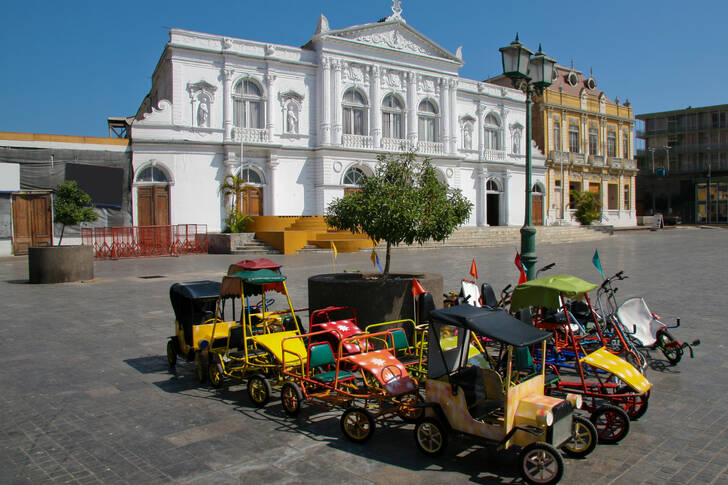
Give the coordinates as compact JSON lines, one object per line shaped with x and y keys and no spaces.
{"x":386,"y":264}
{"x":61,"y":238}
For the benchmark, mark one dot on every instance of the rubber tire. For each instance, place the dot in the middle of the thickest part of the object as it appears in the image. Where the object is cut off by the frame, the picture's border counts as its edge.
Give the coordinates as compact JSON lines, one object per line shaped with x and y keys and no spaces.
{"x":259,"y":382}
{"x":549,"y":452}
{"x":291,"y":392}
{"x":215,"y":375}
{"x":360,"y":414}
{"x":416,"y":415}
{"x":582,"y":425}
{"x":610,"y":412}
{"x":672,"y":355}
{"x":171,"y":354}
{"x":637,"y":410}
{"x":429,"y":428}
{"x":636,"y":362}
{"x":202,"y":364}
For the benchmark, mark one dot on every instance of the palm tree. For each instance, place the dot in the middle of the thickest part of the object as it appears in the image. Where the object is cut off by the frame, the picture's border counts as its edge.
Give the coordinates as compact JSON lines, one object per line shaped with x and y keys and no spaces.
{"x":233,"y":184}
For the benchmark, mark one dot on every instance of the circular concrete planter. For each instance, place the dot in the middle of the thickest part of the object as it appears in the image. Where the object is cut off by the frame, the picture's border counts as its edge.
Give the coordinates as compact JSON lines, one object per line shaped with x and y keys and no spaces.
{"x":375,"y":299}
{"x":60,"y":264}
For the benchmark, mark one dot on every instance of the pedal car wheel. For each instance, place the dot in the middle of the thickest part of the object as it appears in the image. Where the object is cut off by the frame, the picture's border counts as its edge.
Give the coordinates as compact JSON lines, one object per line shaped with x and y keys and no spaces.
{"x":636,"y":361}
{"x":357,"y":424}
{"x":202,"y":364}
{"x":635,"y":406}
{"x":291,"y":397}
{"x":541,"y":464}
{"x":171,"y":354}
{"x":668,"y":346}
{"x":583,"y":438}
{"x":215,"y":374}
{"x":612,"y":423}
{"x":409,"y":411}
{"x":259,"y":390}
{"x":431,"y":436}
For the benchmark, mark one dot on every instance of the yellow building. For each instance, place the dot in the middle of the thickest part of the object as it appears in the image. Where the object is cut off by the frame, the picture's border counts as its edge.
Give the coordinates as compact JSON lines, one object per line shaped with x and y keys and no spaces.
{"x":588,"y":143}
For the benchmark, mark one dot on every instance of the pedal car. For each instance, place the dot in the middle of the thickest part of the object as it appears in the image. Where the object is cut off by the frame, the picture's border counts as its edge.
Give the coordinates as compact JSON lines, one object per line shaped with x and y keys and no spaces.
{"x":614,"y":391}
{"x":336,"y":323}
{"x":466,"y":395}
{"x":371,"y":385}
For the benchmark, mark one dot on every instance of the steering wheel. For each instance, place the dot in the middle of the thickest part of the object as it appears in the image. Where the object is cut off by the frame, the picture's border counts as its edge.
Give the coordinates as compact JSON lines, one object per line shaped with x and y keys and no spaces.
{"x":393,"y":373}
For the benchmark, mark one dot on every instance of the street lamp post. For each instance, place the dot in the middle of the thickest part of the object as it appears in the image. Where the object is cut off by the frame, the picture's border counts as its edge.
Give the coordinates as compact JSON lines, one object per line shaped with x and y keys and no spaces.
{"x":531,"y":75}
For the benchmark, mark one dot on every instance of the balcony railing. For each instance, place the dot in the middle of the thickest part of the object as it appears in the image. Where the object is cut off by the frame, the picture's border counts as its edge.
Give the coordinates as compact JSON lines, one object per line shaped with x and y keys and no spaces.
{"x":396,"y":144}
{"x":557,"y":156}
{"x":356,"y":141}
{"x":431,"y":148}
{"x":621,"y":163}
{"x":251,"y":135}
{"x":490,"y":154}
{"x":596,"y":160}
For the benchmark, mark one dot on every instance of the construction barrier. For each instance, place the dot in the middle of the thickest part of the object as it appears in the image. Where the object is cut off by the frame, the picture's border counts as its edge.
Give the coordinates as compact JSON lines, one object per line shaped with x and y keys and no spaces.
{"x":146,"y":241}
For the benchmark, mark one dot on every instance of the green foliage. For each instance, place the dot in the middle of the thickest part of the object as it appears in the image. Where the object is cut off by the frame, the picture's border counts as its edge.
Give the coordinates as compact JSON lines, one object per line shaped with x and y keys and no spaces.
{"x":233,"y":185}
{"x":403,"y":202}
{"x":236,"y":221}
{"x":72,"y":206}
{"x":588,"y":207}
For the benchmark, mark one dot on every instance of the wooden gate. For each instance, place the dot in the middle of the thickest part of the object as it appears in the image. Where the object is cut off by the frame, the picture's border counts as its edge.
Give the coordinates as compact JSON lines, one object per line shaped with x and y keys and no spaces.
{"x":153,"y":205}
{"x":537,"y":209}
{"x":31,"y":221}
{"x":251,"y":199}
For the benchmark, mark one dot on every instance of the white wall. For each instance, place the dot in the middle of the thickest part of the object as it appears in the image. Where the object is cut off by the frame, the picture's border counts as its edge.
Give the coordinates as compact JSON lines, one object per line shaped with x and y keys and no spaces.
{"x":9,"y":177}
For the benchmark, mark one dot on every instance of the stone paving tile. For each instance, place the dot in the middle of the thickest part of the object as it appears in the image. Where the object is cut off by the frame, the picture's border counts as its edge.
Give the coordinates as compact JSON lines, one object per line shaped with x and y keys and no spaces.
{"x":88,"y":397}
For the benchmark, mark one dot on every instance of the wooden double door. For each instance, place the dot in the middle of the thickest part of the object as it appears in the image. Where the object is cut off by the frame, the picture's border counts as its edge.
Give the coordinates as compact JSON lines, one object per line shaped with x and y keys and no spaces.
{"x":32,"y":222}
{"x":251,"y":201}
{"x":537,"y":208}
{"x":153,"y":205}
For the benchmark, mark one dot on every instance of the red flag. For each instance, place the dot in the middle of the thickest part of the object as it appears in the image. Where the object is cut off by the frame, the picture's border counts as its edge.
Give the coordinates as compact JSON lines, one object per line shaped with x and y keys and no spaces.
{"x":474,"y":270}
{"x":522,"y":277}
{"x":417,"y":288}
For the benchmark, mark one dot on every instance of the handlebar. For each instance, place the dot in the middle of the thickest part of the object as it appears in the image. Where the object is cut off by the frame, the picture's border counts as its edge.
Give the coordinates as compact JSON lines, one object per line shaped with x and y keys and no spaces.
{"x":619,"y":276}
{"x":547,"y":267}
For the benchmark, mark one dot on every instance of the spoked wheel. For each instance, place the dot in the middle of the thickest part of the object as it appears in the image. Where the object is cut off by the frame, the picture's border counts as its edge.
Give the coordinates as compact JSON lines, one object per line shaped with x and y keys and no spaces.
{"x":215,"y":373}
{"x":171,"y":354}
{"x":669,"y":346}
{"x":541,"y":464}
{"x":291,"y":397}
{"x":637,"y":360}
{"x":635,"y":405}
{"x":410,"y":410}
{"x":431,"y":436}
{"x":259,"y":390}
{"x":357,"y":424}
{"x":583,"y":438}
{"x":612,"y":423}
{"x":202,"y":364}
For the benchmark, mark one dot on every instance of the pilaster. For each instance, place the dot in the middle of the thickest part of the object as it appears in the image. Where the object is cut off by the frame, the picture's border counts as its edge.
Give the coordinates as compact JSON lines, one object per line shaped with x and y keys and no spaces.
{"x":412,"y":108}
{"x":325,"y":101}
{"x":270,"y":112}
{"x":227,"y":106}
{"x":337,"y":64}
{"x":376,"y":104}
{"x":271,"y":164}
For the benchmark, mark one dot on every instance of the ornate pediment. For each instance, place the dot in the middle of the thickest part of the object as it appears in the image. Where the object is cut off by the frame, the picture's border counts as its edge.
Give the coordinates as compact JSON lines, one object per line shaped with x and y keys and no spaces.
{"x":393,"y":34}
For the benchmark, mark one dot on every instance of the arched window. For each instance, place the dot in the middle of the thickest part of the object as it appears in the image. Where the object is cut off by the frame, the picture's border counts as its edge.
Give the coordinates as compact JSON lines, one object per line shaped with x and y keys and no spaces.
{"x":537,"y":189}
{"x":428,"y":118}
{"x":392,"y":116}
{"x":251,"y":176}
{"x":492,"y":186}
{"x":355,"y":113}
{"x":248,"y":104}
{"x":492,"y":132}
{"x":354,"y":176}
{"x":152,"y":174}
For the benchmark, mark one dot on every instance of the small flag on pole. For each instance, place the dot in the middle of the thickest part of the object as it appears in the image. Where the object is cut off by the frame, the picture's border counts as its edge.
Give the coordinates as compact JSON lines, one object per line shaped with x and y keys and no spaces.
{"x":522,"y":278}
{"x":474,"y":270}
{"x":378,"y":265}
{"x":373,"y":257}
{"x":417,"y":288}
{"x":598,"y":263}
{"x":333,"y":248}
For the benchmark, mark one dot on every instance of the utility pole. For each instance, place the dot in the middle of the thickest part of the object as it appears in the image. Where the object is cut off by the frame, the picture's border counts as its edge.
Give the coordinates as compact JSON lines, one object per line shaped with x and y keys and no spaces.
{"x":654,"y":185}
{"x":667,"y":184}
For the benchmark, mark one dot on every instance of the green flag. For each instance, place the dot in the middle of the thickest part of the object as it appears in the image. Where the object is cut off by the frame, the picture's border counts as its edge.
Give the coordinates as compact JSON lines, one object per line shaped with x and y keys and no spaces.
{"x":597,"y":263}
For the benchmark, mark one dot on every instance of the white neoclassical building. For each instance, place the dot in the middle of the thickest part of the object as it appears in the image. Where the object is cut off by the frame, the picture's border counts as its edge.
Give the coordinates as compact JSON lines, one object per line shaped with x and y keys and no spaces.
{"x":303,"y":124}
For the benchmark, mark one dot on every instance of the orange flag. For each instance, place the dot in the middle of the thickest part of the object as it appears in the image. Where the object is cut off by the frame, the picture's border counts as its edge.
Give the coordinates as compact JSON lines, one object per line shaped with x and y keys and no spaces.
{"x":474,"y":270}
{"x":519,"y":264}
{"x":417,"y":288}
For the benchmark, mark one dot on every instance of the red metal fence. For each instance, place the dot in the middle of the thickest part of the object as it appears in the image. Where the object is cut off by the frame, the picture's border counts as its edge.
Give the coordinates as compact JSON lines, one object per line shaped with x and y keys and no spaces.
{"x":144,"y":241}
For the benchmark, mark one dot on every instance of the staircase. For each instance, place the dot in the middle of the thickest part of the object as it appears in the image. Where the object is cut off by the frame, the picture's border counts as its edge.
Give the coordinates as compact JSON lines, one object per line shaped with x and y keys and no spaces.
{"x":254,"y":246}
{"x":293,"y":233}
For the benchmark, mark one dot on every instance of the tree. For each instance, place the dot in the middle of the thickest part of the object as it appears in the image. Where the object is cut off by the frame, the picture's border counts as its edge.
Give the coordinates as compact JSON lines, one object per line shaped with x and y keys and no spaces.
{"x":72,"y":206}
{"x":235,"y":185}
{"x":403,"y":202}
{"x":588,"y":206}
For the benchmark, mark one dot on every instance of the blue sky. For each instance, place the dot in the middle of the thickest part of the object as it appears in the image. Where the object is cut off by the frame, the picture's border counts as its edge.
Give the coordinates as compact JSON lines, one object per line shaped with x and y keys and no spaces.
{"x":67,"y":66}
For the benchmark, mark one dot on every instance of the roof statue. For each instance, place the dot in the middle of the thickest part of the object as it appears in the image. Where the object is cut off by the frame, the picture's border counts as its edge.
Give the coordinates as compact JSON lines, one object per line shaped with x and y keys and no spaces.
{"x":323,"y":25}
{"x":396,"y":10}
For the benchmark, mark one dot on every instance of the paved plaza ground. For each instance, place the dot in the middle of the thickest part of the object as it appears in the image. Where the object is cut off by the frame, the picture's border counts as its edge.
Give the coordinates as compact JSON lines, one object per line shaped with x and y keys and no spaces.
{"x":86,"y":396}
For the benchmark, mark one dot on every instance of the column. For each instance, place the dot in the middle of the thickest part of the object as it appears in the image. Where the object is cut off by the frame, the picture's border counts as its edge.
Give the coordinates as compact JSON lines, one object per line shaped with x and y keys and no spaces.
{"x":565,"y":194}
{"x":481,"y":134}
{"x":620,"y":193}
{"x":445,"y":114}
{"x":337,"y":64}
{"x":227,"y":106}
{"x":269,"y":80}
{"x":482,"y":197}
{"x":605,"y":196}
{"x":506,"y":199}
{"x":271,"y":187}
{"x":412,"y":108}
{"x":324,"y":80}
{"x":453,"y":116}
{"x":376,"y":104}
{"x":229,"y":165}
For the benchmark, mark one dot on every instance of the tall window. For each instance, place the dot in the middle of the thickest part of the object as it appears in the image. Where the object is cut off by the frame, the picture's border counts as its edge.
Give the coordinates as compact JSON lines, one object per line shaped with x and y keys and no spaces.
{"x":428,"y":121}
{"x":492,"y":132}
{"x":247,"y":105}
{"x":593,"y":140}
{"x":625,"y":146}
{"x":355,"y":113}
{"x":574,"y":136}
{"x":392,"y":116}
{"x":611,"y":143}
{"x":557,"y":134}
{"x":626,"y":197}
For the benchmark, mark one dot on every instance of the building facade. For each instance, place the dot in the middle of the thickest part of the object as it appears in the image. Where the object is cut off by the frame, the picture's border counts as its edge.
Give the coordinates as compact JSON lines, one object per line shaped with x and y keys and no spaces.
{"x":588,"y":143}
{"x":684,"y":167}
{"x":304,"y":124}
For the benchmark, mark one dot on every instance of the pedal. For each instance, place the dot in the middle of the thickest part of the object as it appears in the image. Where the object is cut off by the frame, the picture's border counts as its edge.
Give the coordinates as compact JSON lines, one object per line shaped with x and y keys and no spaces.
{"x":695,"y":343}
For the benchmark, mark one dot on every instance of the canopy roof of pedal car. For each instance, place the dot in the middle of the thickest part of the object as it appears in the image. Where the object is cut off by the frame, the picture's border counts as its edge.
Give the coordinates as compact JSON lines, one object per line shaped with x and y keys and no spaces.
{"x":545,"y":291}
{"x":255,"y":282}
{"x":493,"y":323}
{"x":190,"y":300}
{"x":253,"y":264}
